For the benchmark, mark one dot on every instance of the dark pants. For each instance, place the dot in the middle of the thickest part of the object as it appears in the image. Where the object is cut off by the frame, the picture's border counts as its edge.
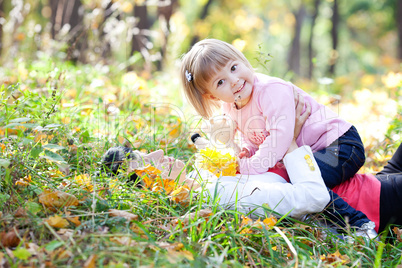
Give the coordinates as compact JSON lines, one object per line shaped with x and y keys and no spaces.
{"x":391,"y":191}
{"x":338,"y":163}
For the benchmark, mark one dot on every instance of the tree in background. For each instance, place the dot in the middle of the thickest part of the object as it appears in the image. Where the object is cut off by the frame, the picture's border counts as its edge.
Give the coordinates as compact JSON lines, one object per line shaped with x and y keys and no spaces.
{"x":334,"y":36}
{"x":314,"y":16}
{"x":69,"y":13}
{"x":294,"y":52}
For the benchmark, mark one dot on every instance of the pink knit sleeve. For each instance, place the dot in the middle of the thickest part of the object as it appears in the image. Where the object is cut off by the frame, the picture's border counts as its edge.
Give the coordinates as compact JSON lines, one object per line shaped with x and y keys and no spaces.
{"x":278,"y":109}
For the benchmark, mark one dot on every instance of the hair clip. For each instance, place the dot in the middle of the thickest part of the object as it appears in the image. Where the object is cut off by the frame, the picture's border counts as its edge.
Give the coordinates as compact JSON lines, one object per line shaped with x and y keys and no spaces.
{"x":189,"y":76}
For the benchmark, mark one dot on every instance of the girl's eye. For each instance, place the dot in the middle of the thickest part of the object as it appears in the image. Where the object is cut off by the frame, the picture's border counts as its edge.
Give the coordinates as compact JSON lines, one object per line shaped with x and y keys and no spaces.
{"x":234,"y":67}
{"x":220,"y":82}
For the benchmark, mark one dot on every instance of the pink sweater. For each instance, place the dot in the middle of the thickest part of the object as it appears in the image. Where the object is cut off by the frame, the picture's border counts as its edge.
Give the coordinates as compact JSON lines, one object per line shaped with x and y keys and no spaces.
{"x":267,"y":124}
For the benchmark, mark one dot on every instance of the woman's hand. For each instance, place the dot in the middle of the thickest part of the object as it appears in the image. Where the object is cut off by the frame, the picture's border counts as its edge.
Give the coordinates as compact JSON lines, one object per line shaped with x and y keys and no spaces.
{"x":300,"y":118}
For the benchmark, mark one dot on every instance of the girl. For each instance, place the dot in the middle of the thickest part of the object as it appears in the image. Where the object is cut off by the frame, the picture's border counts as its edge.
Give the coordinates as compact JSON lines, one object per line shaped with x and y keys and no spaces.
{"x":214,"y":73}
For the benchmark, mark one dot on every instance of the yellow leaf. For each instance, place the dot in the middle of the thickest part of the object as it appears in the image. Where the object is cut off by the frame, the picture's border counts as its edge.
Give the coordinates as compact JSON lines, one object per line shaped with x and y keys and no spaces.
{"x":335,"y":257}
{"x":147,"y":170}
{"x":124,"y":214}
{"x":57,"y":222}
{"x":74,"y":220}
{"x":245,"y":221}
{"x":180,"y":194}
{"x":43,"y":138}
{"x":270,"y":222}
{"x":90,"y":262}
{"x":24,"y":181}
{"x":57,"y":199}
{"x":84,"y":181}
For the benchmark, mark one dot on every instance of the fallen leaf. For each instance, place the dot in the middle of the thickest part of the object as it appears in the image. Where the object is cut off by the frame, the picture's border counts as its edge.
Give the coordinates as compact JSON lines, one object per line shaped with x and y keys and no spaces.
{"x":57,"y":221}
{"x":57,"y":199}
{"x":84,"y":181}
{"x":22,"y":253}
{"x":270,"y":222}
{"x":203,"y":213}
{"x":90,"y":262}
{"x":65,"y":234}
{"x":20,"y":212}
{"x":170,"y":246}
{"x":335,"y":257}
{"x":9,"y":239}
{"x":74,"y":220}
{"x":32,"y":248}
{"x":181,"y":194}
{"x":124,"y":214}
{"x":24,"y":181}
{"x":398,"y":233}
{"x":126,"y":241}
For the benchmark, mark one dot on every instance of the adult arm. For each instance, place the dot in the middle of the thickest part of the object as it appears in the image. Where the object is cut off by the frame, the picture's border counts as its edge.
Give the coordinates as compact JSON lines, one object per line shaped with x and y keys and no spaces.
{"x":306,"y":194}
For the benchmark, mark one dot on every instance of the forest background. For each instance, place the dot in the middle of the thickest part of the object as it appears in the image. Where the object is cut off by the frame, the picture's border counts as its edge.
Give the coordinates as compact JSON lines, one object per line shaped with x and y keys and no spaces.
{"x":78,"y":77}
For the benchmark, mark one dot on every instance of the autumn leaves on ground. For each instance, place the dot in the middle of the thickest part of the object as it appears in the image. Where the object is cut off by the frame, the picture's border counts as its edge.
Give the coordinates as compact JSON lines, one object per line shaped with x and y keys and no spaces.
{"x":60,"y":208}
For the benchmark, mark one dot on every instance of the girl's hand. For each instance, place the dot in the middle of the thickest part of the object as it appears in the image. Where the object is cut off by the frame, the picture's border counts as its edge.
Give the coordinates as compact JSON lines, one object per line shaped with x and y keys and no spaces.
{"x":244,"y":153}
{"x":300,"y":119}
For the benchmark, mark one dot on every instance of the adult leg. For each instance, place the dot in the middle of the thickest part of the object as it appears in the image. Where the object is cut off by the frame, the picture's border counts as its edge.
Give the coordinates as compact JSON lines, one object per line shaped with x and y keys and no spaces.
{"x":390,"y":199}
{"x":340,"y":212}
{"x":395,"y":164}
{"x":338,"y":163}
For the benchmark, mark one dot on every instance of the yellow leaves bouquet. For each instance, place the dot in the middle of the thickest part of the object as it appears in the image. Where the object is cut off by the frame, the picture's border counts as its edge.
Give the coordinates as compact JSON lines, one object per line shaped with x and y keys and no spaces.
{"x":217,"y":162}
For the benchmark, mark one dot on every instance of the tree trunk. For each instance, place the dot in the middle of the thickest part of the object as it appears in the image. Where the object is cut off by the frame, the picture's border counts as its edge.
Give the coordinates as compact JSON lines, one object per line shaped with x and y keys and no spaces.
{"x":310,"y":42}
{"x":398,"y":20}
{"x":203,"y":15}
{"x":334,"y":35}
{"x":294,"y":54}
{"x":68,"y":12}
{"x":139,"y":40}
{"x":165,"y":11}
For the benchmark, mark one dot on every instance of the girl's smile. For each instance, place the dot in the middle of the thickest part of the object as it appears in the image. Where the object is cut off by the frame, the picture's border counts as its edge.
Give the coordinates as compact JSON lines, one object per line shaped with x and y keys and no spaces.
{"x":232,"y":84}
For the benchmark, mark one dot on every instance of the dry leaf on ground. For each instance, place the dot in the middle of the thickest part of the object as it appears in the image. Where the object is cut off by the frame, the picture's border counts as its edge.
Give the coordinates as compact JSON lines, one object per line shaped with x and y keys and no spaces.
{"x":65,"y":234}
{"x":57,"y":222}
{"x":398,"y":233}
{"x":20,"y":212}
{"x":9,"y":239}
{"x":124,"y":214}
{"x":90,"y":262}
{"x":203,"y":213}
{"x":335,"y":257}
{"x":74,"y":220}
{"x":57,"y":199}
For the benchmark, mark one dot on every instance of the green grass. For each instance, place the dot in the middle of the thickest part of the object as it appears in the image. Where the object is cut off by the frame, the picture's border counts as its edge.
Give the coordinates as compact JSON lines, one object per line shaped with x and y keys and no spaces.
{"x":64,"y":108}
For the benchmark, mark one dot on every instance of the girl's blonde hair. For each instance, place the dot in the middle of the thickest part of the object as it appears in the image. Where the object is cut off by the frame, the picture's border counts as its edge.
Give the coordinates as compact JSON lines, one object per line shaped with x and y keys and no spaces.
{"x":199,"y":65}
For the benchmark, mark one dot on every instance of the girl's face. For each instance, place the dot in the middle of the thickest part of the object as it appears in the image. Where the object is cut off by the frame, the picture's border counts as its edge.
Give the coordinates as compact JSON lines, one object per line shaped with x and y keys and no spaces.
{"x":232,"y":84}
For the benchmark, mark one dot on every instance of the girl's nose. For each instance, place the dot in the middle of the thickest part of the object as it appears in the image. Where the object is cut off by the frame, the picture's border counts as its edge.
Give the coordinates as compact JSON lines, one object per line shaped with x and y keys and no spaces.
{"x":235,"y":81}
